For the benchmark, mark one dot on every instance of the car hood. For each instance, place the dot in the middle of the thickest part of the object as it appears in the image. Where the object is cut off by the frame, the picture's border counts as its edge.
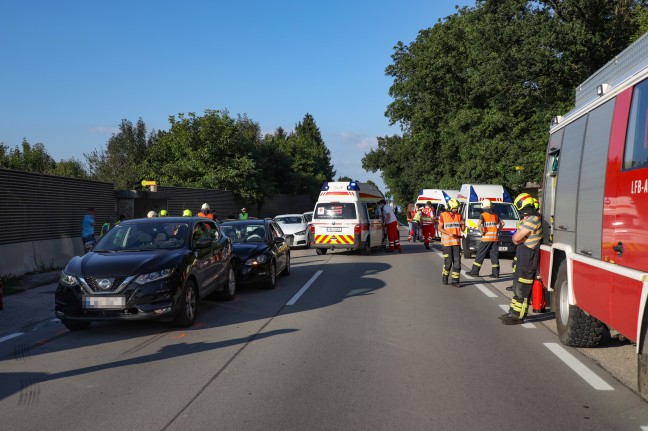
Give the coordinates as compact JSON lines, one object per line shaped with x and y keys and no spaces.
{"x":246,"y":251}
{"x":123,"y":264}
{"x":292,"y":228}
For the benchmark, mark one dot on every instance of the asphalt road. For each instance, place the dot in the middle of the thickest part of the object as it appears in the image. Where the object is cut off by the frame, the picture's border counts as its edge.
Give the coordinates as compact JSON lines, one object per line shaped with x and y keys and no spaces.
{"x":346,"y":342}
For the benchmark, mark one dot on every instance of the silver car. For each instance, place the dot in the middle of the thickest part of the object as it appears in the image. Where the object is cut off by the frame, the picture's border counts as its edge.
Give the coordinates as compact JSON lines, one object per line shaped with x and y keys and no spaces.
{"x":297,"y":226}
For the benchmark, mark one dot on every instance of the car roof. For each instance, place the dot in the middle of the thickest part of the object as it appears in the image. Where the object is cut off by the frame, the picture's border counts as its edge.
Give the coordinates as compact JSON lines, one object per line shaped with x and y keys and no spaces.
{"x":289,"y":215}
{"x":252,"y":221}
{"x":163,"y":219}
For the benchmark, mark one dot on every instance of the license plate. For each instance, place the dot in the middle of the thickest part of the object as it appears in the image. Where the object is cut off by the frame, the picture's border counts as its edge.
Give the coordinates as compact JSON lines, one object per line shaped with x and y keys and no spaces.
{"x":503,"y":248}
{"x":104,"y":301}
{"x":334,"y":229}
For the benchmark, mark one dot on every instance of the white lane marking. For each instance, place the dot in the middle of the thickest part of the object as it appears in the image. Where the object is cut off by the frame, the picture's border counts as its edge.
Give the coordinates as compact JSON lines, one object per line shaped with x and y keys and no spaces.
{"x":585,"y":373}
{"x":55,"y":320}
{"x":524,"y":325}
{"x":644,"y":428}
{"x":10,"y":336}
{"x":485,"y":290}
{"x":304,"y":288}
{"x":469,"y":277}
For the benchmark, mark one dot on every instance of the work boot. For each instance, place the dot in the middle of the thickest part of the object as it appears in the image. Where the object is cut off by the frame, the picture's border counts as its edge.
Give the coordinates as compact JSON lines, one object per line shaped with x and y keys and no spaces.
{"x":505,"y":315}
{"x":509,"y":288}
{"x":474,"y":271}
{"x":427,"y":245}
{"x":445,"y":280}
{"x":455,"y":282}
{"x":512,"y":320}
{"x":495,"y":273}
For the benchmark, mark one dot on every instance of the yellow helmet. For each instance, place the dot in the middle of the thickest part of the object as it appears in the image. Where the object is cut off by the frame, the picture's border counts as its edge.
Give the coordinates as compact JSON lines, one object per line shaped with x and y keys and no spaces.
{"x":187,"y":213}
{"x":453,"y":203}
{"x":536,"y":204}
{"x":523,"y":200}
{"x":164,"y":213}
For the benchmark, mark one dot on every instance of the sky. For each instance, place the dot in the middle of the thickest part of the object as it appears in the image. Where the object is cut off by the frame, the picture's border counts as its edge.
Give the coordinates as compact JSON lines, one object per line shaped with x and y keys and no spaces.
{"x":70,"y":71}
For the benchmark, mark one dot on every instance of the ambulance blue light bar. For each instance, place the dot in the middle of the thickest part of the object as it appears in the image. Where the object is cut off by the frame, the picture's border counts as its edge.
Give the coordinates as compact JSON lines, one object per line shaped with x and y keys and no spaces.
{"x":445,"y":196}
{"x":325,"y":186}
{"x":353,"y":186}
{"x":420,"y":192}
{"x":507,"y":197}
{"x":473,"y":195}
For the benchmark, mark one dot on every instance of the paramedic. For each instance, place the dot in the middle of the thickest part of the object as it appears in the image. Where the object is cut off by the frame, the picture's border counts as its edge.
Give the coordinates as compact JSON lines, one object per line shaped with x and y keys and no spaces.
{"x":527,"y":238}
{"x":392,"y":227}
{"x":451,"y":224}
{"x":427,"y":224}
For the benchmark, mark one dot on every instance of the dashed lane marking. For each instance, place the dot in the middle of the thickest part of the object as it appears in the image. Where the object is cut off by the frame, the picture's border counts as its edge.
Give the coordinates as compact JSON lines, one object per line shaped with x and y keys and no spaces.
{"x":10,"y":336}
{"x":485,"y":290}
{"x":304,"y":288}
{"x":585,"y":373}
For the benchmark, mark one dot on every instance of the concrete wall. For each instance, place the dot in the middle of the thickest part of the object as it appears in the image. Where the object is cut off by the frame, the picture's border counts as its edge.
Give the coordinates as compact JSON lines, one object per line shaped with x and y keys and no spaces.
{"x":37,"y":256}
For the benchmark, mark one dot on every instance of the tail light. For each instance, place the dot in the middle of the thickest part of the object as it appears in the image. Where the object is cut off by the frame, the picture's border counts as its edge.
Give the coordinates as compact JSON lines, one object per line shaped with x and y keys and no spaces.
{"x":312,"y":229}
{"x":357,"y":229}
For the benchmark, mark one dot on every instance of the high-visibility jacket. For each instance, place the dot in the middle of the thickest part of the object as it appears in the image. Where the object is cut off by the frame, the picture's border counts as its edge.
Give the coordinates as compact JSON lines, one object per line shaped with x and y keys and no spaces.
{"x":451,"y":223}
{"x":427,"y":216}
{"x":490,"y":226}
{"x":209,"y":216}
{"x":411,"y":215}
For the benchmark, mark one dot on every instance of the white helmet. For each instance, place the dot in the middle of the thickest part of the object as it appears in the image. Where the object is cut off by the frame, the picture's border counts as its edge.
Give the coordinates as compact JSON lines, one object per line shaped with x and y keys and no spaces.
{"x":151,"y":214}
{"x":205,"y":206}
{"x":486,"y":203}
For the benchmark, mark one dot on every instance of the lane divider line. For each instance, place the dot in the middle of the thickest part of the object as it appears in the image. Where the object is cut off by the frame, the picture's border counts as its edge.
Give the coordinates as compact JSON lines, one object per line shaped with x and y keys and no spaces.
{"x":578,"y":367}
{"x":465,"y":274}
{"x":485,"y":290}
{"x":304,"y":288}
{"x":10,"y":336}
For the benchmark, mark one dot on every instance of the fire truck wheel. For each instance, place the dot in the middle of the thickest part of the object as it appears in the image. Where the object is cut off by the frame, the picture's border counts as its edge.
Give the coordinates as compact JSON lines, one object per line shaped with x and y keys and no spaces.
{"x":320,"y":251}
{"x":575,"y":327}
{"x":367,"y":247}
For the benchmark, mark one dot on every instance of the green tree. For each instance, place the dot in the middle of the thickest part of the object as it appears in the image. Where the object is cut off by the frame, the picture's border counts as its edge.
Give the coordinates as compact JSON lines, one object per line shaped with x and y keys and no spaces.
{"x":121,"y":161}
{"x":71,"y":168}
{"x":213,"y":151}
{"x":274,"y":173}
{"x":344,"y":178}
{"x":27,"y":158}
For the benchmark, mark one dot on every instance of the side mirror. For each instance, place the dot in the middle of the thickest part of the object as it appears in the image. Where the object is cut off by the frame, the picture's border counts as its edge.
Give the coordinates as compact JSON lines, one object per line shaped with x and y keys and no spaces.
{"x":279,"y":240}
{"x":204,"y":243}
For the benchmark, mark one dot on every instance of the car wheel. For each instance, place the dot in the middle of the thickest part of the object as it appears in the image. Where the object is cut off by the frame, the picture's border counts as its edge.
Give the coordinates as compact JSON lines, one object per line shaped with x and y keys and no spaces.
{"x":76,"y":326}
{"x":308,"y":241}
{"x":367,"y":247}
{"x":229,"y":291}
{"x":286,"y":270}
{"x":321,"y":251}
{"x":575,"y":327}
{"x":271,"y":283}
{"x":186,"y":314}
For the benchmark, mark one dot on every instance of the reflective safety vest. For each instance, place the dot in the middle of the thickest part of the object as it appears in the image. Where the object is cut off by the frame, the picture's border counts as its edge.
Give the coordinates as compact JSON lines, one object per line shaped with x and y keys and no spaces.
{"x":490,"y":226}
{"x":451,"y":223}
{"x":209,"y":216}
{"x":104,"y":229}
{"x":427,"y":216}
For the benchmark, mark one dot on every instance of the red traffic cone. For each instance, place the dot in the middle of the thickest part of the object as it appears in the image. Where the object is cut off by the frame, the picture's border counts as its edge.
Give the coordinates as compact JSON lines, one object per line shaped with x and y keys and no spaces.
{"x":538,"y":296}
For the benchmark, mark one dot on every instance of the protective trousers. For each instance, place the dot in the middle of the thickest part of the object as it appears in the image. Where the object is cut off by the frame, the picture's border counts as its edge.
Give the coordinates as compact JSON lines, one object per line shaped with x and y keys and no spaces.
{"x":525,"y":273}
{"x":487,"y":248}
{"x":451,"y":261}
{"x":428,"y":232}
{"x":393,"y":236}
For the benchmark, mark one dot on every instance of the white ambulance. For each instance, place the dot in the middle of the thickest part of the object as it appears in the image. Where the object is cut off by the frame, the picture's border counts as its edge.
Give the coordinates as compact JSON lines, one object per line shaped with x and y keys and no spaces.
{"x":470,"y":197}
{"x":346,"y":216}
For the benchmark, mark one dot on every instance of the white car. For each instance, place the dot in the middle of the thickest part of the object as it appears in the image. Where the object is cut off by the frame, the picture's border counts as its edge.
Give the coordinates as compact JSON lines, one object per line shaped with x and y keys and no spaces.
{"x":297,"y":226}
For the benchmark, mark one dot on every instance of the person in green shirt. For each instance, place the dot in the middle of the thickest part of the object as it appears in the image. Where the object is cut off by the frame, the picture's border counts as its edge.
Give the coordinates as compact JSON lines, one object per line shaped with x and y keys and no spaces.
{"x":243,"y":215}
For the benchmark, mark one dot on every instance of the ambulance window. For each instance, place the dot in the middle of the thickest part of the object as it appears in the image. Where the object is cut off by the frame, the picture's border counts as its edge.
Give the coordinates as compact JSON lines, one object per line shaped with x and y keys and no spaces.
{"x":335,"y":210}
{"x":372,"y":208}
{"x":636,"y":149}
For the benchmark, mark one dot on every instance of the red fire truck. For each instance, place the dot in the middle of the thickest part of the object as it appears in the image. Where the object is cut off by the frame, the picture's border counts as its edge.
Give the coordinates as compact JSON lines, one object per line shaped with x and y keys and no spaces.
{"x":594,"y":255}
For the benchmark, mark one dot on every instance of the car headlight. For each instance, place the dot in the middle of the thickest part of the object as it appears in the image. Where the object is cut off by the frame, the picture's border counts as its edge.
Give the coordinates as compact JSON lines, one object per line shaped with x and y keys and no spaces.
{"x":256,"y":260}
{"x":68,"y":280}
{"x":300,"y":233}
{"x":154,"y":276}
{"x":474,"y":231}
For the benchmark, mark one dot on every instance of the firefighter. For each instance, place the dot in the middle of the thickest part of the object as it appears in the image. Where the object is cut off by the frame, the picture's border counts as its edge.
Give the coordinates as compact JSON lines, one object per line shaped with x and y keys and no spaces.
{"x":392,"y":227}
{"x":427,"y":224}
{"x":187,"y":213}
{"x":164,"y":213}
{"x":451,"y":224}
{"x":205,"y":211}
{"x":527,"y":238}
{"x":489,"y":225}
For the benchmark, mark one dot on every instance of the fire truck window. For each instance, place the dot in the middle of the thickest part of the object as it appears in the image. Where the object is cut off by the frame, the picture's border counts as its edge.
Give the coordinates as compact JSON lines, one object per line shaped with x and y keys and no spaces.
{"x":636,"y":148}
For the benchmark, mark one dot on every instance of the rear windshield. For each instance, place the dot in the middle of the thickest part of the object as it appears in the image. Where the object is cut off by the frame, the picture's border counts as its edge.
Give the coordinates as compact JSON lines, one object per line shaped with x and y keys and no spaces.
{"x":504,"y":211}
{"x":335,"y":210}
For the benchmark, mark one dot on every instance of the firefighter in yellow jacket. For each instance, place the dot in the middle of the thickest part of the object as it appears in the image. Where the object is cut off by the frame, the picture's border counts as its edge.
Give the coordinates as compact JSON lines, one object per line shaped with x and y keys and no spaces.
{"x":489,"y":225}
{"x":527,"y":238}
{"x":451,"y":224}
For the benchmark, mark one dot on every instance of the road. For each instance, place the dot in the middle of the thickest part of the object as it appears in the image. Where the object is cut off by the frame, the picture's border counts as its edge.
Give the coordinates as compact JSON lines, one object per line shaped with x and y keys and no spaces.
{"x":346,"y":342}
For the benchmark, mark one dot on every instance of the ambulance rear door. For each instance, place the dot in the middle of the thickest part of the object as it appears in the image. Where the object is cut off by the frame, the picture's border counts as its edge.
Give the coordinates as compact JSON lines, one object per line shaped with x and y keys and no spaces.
{"x":334,"y":224}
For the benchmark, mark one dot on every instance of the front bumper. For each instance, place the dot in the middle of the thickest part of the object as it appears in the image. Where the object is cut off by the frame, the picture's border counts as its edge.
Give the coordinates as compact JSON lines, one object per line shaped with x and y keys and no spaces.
{"x":248,"y":274}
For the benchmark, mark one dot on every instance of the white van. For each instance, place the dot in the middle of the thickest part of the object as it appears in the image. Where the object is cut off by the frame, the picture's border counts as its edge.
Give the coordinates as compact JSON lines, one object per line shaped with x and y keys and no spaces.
{"x":439,"y":199}
{"x":346,"y":216}
{"x":470,"y":197}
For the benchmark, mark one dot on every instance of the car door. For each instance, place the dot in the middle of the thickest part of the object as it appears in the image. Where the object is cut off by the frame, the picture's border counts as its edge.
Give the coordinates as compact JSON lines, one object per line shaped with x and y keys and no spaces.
{"x":375,"y":224}
{"x":206,"y":265}
{"x":221,"y":252}
{"x":280,"y":249}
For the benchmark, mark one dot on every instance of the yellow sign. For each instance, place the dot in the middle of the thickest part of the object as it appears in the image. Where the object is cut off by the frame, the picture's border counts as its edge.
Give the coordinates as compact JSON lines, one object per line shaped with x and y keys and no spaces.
{"x":149,"y":183}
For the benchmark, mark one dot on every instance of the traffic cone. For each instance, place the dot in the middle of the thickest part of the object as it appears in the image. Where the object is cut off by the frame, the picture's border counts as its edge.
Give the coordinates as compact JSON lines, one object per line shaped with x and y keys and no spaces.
{"x":538,"y":296}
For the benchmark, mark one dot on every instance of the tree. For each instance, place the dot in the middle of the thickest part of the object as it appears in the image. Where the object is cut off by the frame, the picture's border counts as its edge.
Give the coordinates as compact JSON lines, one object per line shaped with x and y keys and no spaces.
{"x":71,"y":168}
{"x":345,"y":179}
{"x":122,"y":160}
{"x":213,"y":151}
{"x":27,"y":158}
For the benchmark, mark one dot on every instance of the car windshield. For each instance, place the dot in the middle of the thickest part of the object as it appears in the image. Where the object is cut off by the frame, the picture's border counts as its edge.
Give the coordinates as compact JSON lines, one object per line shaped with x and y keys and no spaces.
{"x":143,"y":236}
{"x":308,"y":217}
{"x":504,"y":210}
{"x":335,"y":210}
{"x":289,"y":219}
{"x":241,"y":233}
